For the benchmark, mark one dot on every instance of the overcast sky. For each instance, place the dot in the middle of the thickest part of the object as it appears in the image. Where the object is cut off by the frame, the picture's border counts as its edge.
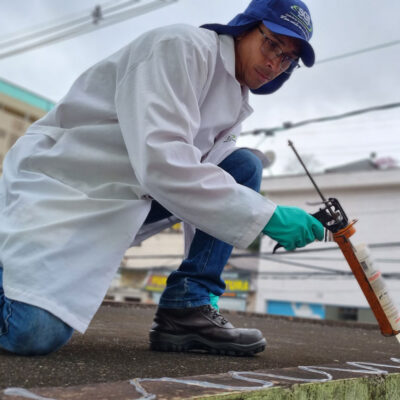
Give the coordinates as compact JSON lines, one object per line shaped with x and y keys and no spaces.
{"x":340,"y":26}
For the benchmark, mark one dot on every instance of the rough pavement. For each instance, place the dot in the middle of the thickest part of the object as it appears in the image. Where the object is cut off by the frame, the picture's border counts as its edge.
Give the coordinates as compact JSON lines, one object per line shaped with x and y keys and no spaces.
{"x":115,"y":348}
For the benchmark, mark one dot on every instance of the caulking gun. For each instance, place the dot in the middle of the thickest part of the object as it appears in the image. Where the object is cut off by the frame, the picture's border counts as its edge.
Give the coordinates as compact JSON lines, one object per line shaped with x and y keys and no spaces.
{"x":334,"y":219}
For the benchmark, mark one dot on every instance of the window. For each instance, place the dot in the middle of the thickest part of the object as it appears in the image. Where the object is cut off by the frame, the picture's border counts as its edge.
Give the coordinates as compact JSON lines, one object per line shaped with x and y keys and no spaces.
{"x":131,"y":299}
{"x":347,"y":314}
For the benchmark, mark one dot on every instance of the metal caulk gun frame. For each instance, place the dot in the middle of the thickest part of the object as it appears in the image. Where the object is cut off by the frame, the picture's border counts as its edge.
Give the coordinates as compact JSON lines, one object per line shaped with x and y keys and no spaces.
{"x":334,"y":219}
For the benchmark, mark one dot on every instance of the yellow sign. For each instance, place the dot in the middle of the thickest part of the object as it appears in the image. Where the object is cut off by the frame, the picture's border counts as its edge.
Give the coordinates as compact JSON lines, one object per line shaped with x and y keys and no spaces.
{"x":237,"y":285}
{"x":157,"y":283}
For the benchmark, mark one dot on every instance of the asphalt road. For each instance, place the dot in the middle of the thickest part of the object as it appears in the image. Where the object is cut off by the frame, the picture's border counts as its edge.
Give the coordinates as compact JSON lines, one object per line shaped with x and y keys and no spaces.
{"x":115,"y":348}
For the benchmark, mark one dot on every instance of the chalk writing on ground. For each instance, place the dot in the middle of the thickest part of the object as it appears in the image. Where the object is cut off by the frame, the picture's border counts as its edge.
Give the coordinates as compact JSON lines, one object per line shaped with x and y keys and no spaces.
{"x":359,"y":367}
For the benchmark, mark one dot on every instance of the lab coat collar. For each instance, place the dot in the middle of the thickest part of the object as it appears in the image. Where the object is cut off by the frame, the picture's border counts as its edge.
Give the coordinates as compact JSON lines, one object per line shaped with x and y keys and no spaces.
{"x":227,"y":52}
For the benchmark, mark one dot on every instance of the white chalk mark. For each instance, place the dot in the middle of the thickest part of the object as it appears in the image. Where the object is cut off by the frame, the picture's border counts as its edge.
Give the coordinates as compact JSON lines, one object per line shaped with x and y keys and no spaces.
{"x":364,"y":364}
{"x":139,"y":388}
{"x":285,"y":377}
{"x":364,"y":368}
{"x":265,"y":384}
{"x":148,"y":396}
{"x":20,"y":392}
{"x":239,"y":376}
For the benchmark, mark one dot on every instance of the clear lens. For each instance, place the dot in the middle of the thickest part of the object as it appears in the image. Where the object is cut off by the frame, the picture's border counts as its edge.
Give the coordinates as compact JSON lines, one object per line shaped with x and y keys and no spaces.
{"x":269,"y":47}
{"x":286,"y":62}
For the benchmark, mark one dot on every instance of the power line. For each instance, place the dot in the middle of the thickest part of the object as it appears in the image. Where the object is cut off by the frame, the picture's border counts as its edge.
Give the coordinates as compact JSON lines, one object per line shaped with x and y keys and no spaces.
{"x":353,"y":53}
{"x":387,"y":130}
{"x":278,"y":254}
{"x":67,"y":30}
{"x":33,"y":30}
{"x":292,"y":125}
{"x":325,"y":249}
{"x":98,"y":18}
{"x":281,"y":260}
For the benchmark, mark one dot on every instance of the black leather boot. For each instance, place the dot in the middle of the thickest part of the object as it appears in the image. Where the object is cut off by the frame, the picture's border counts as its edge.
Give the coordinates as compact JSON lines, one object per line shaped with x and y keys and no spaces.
{"x":202,"y":328}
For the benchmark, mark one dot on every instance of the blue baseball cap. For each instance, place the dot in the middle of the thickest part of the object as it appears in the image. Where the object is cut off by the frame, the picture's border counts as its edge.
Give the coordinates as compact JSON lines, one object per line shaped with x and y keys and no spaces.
{"x":283,"y":17}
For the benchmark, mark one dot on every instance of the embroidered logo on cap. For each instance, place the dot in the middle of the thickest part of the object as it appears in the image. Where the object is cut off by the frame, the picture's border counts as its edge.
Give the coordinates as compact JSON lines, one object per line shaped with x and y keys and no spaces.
{"x":304,"y":15}
{"x":301,"y":19}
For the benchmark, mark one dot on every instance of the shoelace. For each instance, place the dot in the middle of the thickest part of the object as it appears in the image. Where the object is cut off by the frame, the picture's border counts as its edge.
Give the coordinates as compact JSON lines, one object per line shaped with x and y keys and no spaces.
{"x":215,"y":314}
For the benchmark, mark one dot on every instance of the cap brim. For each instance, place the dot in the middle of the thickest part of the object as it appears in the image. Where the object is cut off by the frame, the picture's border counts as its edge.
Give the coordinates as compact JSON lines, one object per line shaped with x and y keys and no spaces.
{"x":307,"y":52}
{"x":233,"y":30}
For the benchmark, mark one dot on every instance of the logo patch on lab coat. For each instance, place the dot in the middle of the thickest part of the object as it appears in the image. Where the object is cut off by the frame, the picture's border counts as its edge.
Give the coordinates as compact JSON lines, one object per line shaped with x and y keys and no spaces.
{"x":230,"y":138}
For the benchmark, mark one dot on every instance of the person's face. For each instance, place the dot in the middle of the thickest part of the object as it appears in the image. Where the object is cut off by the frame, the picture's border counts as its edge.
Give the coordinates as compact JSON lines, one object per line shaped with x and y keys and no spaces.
{"x":256,"y":59}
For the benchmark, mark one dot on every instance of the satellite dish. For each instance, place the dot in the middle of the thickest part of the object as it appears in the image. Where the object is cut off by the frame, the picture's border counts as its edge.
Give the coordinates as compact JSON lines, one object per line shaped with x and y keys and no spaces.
{"x":271,"y":156}
{"x":267,"y":158}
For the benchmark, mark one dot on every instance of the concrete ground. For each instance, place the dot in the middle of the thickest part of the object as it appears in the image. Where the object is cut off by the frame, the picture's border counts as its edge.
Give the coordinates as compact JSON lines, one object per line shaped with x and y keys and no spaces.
{"x":115,"y":349}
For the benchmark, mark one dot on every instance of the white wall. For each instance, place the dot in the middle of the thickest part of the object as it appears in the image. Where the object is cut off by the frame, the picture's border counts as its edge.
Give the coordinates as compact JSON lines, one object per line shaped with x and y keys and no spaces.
{"x":373,"y":198}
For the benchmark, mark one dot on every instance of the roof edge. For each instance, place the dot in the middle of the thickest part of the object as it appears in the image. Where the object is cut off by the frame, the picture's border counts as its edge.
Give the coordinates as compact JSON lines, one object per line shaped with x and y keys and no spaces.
{"x":25,"y":96}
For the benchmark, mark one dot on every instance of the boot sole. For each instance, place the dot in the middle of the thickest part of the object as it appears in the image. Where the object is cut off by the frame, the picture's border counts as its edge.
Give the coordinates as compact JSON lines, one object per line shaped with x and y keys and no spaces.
{"x":160,"y":341}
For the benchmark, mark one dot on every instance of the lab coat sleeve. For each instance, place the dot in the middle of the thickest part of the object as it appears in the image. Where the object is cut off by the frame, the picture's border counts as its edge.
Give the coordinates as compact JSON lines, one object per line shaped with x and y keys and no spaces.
{"x":157,"y":104}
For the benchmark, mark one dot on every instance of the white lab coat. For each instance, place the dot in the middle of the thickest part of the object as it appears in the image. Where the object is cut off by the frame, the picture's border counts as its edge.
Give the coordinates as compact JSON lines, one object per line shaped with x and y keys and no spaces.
{"x":150,"y":121}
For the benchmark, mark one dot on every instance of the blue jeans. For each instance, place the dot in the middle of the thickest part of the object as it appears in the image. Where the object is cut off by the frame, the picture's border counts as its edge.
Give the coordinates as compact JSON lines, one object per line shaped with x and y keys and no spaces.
{"x":200,"y":273}
{"x":29,"y":330}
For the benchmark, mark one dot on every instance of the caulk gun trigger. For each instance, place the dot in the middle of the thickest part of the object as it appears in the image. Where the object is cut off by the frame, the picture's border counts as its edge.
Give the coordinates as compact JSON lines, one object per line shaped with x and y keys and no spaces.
{"x":277,"y":246}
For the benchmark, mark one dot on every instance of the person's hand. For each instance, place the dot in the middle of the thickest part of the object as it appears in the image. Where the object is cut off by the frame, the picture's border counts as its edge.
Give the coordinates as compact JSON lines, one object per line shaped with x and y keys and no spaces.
{"x":293,"y":227}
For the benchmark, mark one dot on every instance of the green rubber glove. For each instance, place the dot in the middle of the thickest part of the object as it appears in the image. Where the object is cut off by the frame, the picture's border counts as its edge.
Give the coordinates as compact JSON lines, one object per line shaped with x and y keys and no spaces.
{"x":293,"y":227}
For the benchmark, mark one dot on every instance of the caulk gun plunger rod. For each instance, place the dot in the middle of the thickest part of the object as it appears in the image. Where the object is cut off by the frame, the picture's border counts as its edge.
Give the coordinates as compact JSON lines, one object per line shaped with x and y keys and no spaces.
{"x":290,"y":143}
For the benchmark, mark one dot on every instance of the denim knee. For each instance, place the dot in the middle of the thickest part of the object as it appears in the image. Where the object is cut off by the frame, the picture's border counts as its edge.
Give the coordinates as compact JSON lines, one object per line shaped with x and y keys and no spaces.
{"x":245,"y":167}
{"x":253,"y":166}
{"x":34,"y":331}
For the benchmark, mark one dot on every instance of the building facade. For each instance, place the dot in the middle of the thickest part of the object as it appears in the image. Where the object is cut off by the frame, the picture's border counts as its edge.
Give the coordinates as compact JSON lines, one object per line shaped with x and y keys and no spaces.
{"x":317,"y":282}
{"x":145,"y":268}
{"x":19,"y":108}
